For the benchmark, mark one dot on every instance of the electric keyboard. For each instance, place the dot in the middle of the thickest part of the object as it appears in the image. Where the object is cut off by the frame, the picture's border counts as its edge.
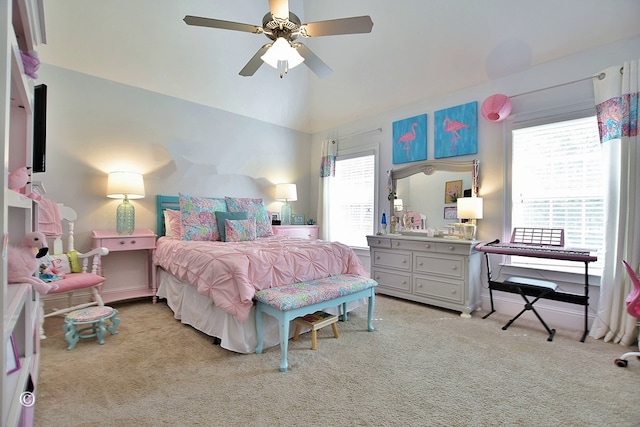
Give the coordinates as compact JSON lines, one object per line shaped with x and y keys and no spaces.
{"x":539,"y":251}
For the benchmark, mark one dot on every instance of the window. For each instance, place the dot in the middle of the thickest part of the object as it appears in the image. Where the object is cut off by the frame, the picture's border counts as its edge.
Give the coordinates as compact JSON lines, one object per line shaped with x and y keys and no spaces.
{"x":557,"y":182}
{"x":352,"y":199}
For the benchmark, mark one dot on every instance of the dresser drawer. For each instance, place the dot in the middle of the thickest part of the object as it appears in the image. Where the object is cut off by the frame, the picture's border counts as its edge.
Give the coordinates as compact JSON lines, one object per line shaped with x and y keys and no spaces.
{"x":453,"y":248}
{"x":393,"y":259}
{"x":396,"y":281}
{"x":412,"y":245}
{"x":378,"y":242}
{"x":449,"y":290}
{"x":128,"y":243}
{"x":443,"y":265}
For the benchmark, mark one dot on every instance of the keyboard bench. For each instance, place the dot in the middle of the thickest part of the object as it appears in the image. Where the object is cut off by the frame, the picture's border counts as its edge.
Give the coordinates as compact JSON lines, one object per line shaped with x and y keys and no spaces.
{"x":285,"y":303}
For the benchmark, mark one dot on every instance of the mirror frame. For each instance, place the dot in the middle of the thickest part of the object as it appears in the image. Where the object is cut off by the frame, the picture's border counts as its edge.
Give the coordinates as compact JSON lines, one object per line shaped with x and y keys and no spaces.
{"x":429,"y":167}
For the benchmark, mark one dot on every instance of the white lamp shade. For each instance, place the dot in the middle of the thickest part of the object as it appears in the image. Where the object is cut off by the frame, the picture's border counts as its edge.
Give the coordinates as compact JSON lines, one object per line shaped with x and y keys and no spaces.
{"x":281,"y":50}
{"x":286,"y":192}
{"x":469,"y":207}
{"x":121,"y":184}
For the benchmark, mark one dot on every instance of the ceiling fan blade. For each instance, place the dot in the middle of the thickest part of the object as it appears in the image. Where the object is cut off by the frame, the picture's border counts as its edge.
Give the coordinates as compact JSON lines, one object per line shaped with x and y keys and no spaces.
{"x":312,"y":61}
{"x":255,"y":62}
{"x":225,"y":25}
{"x":279,"y":8}
{"x":355,"y":25}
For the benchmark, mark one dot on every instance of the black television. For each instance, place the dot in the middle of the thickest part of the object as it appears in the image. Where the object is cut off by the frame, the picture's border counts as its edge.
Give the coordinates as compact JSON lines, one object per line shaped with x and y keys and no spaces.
{"x":40,"y":128}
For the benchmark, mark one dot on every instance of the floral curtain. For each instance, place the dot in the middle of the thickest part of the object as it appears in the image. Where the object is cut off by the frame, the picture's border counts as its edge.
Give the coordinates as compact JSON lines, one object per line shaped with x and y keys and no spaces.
{"x":616,"y":98}
{"x":327,"y":173}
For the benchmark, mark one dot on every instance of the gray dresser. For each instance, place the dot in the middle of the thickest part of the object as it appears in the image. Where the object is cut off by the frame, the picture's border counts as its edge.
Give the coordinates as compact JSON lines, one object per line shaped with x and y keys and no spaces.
{"x":435,"y":271}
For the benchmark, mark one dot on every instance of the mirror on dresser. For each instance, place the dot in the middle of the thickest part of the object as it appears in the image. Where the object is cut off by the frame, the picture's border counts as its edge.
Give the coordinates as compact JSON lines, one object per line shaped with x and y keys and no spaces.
{"x":419,"y":190}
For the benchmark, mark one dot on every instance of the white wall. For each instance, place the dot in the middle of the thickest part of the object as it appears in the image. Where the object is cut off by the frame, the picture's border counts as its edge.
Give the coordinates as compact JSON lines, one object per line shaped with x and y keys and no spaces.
{"x":95,"y":126}
{"x":492,"y":144}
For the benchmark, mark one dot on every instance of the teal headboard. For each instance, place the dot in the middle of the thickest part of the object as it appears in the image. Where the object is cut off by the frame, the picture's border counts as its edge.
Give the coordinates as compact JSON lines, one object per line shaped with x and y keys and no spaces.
{"x":162,"y":203}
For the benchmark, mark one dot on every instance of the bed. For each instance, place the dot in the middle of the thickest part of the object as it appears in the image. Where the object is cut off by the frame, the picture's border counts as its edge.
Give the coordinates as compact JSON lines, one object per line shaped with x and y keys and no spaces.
{"x":210,"y":284}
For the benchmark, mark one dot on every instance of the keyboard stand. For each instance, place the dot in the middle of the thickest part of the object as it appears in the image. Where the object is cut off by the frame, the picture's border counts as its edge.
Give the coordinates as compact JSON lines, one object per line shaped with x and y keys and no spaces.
{"x":539,"y":289}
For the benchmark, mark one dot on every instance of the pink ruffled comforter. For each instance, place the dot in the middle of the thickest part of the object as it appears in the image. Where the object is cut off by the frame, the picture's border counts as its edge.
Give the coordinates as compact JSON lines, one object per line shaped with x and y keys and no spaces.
{"x":231,"y":273}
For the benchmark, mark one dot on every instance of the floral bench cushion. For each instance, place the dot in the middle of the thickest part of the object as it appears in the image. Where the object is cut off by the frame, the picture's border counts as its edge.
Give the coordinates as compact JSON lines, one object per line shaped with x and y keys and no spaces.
{"x":290,"y":297}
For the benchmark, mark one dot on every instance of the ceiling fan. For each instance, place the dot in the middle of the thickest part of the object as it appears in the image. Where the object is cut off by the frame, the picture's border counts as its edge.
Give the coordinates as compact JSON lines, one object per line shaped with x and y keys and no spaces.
{"x":283,"y":28}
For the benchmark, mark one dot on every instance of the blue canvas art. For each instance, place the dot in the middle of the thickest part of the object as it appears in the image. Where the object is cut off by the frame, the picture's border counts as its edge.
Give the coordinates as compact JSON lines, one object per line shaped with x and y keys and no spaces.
{"x":410,"y":139}
{"x":456,"y":131}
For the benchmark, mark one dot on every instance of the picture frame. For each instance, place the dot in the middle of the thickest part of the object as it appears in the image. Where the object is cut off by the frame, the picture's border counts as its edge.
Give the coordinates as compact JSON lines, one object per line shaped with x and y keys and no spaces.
{"x":275,"y":218}
{"x":452,"y":191}
{"x":456,"y":131}
{"x":12,"y":356}
{"x":409,"y":139}
{"x":450,"y":212}
{"x":297,"y":219}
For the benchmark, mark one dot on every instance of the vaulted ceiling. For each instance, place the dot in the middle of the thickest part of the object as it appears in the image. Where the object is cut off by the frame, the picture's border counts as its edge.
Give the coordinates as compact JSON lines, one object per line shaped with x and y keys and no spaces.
{"x":417,"y":49}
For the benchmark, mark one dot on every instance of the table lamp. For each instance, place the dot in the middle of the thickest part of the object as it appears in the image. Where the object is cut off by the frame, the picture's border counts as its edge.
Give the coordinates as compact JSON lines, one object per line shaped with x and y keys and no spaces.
{"x":125,"y":185}
{"x":286,"y":192}
{"x":469,"y":208}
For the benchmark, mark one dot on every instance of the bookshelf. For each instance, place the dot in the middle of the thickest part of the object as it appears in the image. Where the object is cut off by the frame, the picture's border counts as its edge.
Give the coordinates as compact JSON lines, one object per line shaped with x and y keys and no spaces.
{"x":21,"y":29}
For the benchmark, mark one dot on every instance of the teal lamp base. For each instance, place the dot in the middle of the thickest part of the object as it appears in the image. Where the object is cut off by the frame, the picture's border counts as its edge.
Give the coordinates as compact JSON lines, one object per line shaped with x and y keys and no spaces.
{"x":125,"y":218}
{"x":285,"y":214}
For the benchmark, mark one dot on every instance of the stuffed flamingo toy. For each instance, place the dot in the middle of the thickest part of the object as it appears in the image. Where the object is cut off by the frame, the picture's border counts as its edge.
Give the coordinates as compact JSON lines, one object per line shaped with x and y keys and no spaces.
{"x":22,"y":262}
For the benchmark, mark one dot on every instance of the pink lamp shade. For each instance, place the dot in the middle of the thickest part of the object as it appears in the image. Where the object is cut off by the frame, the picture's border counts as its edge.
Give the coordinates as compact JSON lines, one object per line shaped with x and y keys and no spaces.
{"x":496,"y":107}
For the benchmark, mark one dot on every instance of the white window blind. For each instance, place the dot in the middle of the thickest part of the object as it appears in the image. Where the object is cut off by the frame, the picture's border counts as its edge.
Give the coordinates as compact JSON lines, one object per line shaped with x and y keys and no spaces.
{"x":352,"y":199}
{"x":557,"y":182}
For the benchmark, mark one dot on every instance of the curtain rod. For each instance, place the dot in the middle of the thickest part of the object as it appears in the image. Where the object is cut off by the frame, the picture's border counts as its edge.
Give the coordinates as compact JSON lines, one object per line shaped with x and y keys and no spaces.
{"x":360,"y":133}
{"x":598,"y":76}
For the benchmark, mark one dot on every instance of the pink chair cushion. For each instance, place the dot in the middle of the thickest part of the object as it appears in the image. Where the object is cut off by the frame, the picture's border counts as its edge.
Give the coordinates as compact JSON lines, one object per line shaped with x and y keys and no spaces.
{"x":73,"y":281}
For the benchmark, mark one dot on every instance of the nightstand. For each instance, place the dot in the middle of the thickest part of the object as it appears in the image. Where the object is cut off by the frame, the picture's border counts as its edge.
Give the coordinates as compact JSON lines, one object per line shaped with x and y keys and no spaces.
{"x":122,"y":288}
{"x":301,"y":231}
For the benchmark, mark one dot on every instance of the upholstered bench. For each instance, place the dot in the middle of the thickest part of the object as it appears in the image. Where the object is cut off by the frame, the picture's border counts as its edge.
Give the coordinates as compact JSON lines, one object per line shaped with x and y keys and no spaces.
{"x":95,"y":318}
{"x":285,"y":303}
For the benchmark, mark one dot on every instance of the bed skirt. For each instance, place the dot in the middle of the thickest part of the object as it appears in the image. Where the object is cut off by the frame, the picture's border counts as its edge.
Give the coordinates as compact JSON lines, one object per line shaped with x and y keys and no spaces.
{"x":199,"y":312}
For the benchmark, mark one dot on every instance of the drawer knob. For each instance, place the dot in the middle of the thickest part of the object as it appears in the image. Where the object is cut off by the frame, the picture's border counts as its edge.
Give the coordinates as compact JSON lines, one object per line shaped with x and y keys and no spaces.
{"x":454,"y":267}
{"x":122,"y":242}
{"x":397,"y":243}
{"x":453,"y":291}
{"x":421,"y":263}
{"x":133,"y":242}
{"x":451,"y":248}
{"x":379,"y":241}
{"x":404,"y":282}
{"x":427,"y":246}
{"x":404,"y":261}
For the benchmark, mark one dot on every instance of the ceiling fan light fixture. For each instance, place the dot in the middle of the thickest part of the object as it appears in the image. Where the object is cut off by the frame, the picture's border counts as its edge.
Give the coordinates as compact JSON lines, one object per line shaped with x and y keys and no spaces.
{"x":281,"y":51}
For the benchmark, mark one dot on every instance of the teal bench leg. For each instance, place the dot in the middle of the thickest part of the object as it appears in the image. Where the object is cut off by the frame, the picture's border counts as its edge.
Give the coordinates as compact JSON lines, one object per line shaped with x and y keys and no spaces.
{"x":285,"y":317}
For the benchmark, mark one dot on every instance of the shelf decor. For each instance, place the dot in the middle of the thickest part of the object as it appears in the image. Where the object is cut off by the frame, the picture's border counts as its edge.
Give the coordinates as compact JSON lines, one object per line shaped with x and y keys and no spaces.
{"x":12,"y":356}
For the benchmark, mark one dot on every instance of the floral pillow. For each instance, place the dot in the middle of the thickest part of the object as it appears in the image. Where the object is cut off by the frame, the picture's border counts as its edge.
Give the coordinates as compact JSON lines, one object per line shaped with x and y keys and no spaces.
{"x":198,"y":217}
{"x":172,"y":224}
{"x":221,"y":217}
{"x":255,"y":209}
{"x":240,"y":230}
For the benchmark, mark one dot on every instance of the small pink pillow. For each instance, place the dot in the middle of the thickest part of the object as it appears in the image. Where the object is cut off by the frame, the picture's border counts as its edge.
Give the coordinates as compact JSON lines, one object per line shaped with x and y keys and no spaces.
{"x":240,"y":230}
{"x":173,"y":224}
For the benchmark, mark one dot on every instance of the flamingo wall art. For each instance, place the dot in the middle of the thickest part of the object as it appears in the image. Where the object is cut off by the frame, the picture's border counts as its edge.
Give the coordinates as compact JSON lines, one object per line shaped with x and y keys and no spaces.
{"x":410,"y":139}
{"x":456,"y":131}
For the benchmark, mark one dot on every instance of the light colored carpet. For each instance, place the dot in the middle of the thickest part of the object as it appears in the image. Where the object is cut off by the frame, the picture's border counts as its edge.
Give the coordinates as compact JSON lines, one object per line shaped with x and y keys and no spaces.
{"x":421,"y":367}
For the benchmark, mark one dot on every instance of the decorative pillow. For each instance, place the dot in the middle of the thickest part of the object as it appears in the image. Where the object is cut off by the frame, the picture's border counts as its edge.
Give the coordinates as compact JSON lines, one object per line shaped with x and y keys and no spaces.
{"x":240,"y":230}
{"x":48,"y":272}
{"x":74,"y":262}
{"x":198,"y":217}
{"x":172,"y":224}
{"x":60,"y":264}
{"x":255,"y":209}
{"x":221,"y":217}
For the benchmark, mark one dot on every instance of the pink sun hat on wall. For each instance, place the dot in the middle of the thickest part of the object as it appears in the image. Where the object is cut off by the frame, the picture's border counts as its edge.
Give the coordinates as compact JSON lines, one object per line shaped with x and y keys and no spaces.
{"x":496,"y":108}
